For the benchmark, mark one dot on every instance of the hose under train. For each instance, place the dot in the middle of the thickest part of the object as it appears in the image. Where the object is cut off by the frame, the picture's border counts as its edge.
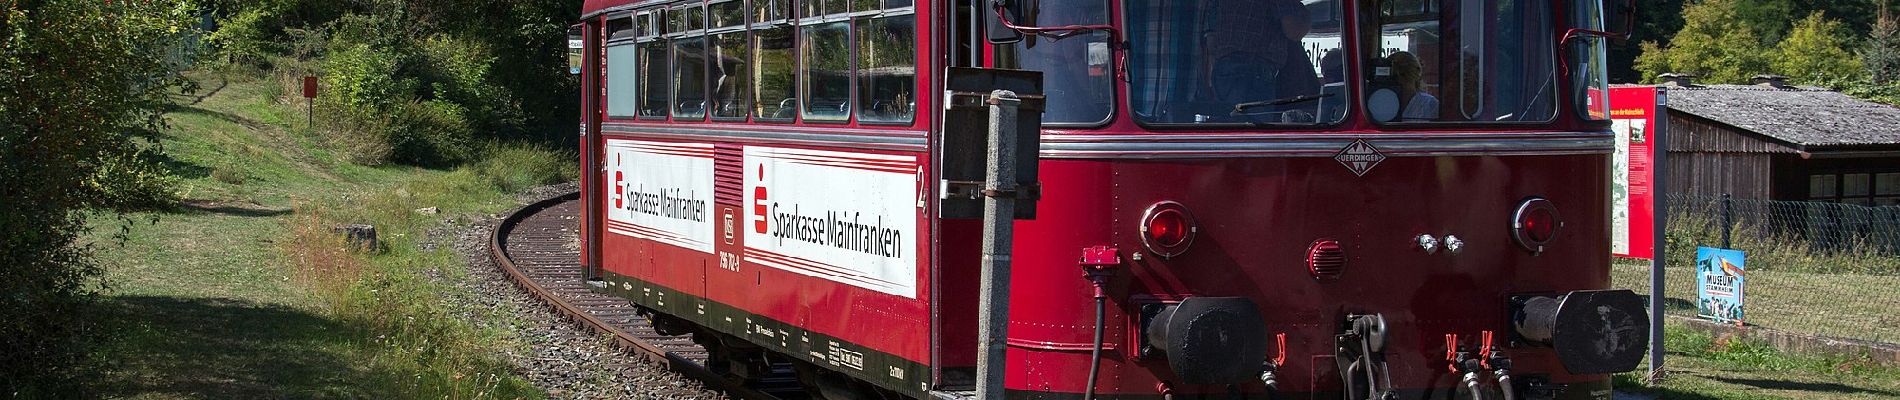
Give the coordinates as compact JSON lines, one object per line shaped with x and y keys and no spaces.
{"x":1095,"y":356}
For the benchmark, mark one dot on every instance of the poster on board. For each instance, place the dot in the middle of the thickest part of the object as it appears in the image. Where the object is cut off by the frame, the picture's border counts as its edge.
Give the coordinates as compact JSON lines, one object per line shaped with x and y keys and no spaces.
{"x":1632,"y":218}
{"x":1719,"y":280}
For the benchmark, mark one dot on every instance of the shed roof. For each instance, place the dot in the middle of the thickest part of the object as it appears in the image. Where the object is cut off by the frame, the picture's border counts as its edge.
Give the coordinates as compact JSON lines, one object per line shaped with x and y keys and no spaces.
{"x":1806,"y":117}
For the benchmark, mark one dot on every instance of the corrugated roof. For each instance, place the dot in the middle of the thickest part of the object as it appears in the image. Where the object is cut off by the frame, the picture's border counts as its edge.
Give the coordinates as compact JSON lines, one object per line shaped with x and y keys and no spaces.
{"x":1807,"y":117}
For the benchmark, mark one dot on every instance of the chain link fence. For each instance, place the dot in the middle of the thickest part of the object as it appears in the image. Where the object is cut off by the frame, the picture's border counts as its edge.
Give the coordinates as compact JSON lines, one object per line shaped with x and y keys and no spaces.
{"x":1814,"y":268}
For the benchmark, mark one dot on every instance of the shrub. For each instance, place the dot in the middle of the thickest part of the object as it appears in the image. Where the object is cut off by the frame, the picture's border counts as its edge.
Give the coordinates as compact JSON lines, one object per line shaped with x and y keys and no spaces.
{"x":431,"y":133}
{"x":85,"y":83}
{"x":513,"y":168}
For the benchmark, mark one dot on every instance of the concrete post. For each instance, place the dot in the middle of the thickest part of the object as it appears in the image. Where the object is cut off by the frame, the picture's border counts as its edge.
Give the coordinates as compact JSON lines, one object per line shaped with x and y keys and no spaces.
{"x":999,"y":211}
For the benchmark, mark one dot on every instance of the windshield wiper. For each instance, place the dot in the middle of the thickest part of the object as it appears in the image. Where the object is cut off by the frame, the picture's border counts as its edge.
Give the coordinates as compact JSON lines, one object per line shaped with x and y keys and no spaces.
{"x":1240,"y":109}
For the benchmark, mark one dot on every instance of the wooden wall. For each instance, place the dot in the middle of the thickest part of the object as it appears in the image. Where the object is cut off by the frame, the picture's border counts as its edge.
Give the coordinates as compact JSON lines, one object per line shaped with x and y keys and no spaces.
{"x":1709,"y":159}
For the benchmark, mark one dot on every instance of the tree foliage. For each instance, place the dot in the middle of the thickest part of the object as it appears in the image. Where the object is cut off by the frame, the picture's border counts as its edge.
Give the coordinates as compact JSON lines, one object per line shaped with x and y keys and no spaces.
{"x":1658,"y":21}
{"x":1816,"y":50}
{"x":82,"y":87}
{"x":420,"y":81}
{"x":1882,"y":53}
{"x":1714,"y":44}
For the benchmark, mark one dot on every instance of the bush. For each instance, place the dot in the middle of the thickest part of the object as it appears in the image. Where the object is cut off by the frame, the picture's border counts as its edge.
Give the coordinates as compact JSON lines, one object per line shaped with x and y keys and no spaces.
{"x":513,"y":168}
{"x":431,"y":133}
{"x":85,"y":83}
{"x":134,"y":180}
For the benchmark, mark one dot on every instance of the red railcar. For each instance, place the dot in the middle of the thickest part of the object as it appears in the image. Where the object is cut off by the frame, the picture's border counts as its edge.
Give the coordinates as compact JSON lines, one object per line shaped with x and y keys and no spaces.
{"x":1293,"y":198}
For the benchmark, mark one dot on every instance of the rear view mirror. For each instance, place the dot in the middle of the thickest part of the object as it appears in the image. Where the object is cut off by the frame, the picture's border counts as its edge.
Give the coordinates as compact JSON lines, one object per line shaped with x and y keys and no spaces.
{"x":1013,"y":12}
{"x":575,"y":44}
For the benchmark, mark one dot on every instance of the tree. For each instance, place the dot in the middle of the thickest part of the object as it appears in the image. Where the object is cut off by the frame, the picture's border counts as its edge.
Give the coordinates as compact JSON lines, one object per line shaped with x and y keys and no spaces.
{"x":1714,"y":44}
{"x":1815,"y":51}
{"x":1656,"y":22}
{"x":82,"y":87}
{"x":1882,"y":54}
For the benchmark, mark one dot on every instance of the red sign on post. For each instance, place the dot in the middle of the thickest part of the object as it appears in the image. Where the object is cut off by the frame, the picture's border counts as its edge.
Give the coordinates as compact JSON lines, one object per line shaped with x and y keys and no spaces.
{"x":309,"y":87}
{"x":1633,"y":206}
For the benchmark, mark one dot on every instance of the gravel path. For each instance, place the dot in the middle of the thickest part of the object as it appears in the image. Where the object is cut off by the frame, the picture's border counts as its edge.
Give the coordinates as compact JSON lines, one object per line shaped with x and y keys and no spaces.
{"x":570,"y":363}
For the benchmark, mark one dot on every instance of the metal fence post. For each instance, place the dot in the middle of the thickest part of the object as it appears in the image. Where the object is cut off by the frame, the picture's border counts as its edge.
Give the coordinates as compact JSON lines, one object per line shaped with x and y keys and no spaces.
{"x":1728,"y":219}
{"x":1659,"y":169}
{"x":999,"y":210}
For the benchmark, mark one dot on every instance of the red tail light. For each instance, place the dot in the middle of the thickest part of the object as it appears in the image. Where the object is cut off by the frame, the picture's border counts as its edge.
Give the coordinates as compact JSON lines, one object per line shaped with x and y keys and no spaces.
{"x":1535,"y":224}
{"x":1167,"y":229}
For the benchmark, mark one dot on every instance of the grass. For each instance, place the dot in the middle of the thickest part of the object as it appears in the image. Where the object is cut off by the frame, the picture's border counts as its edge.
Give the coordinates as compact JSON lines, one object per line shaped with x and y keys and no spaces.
{"x":246,"y":293}
{"x":1832,"y":304}
{"x":1701,"y":366}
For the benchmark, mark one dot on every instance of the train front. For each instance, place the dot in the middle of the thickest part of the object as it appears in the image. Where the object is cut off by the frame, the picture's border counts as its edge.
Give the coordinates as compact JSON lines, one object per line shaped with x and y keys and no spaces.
{"x":1321,"y":199}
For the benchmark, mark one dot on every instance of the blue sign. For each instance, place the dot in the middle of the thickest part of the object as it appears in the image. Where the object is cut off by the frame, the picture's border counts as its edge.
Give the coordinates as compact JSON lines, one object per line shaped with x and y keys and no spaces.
{"x":1718,"y":282}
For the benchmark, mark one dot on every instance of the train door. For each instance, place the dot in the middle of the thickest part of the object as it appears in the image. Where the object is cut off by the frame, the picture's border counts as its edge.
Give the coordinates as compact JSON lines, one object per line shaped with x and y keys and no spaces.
{"x":583,"y":60}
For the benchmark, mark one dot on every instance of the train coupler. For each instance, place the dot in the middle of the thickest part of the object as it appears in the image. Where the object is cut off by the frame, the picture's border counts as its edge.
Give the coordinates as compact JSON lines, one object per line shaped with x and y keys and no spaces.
{"x":1361,"y":358}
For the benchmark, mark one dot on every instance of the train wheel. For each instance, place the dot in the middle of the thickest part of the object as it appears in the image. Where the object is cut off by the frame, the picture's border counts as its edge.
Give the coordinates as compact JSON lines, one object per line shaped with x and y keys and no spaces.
{"x":827,"y":385}
{"x":734,"y":357}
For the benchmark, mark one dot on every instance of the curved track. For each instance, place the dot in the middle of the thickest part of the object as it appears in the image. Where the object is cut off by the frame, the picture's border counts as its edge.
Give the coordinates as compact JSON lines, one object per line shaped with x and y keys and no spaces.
{"x":538,"y":247}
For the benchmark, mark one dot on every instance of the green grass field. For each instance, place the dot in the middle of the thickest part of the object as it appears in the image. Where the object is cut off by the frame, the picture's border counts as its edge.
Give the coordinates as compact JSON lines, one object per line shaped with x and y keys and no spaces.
{"x":244,"y":292}
{"x":1845,"y":305}
{"x":1701,"y":366}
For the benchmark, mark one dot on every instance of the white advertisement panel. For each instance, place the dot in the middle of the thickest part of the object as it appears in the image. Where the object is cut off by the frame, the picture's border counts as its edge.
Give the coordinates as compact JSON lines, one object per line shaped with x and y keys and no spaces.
{"x":661,"y":191}
{"x":846,"y":217}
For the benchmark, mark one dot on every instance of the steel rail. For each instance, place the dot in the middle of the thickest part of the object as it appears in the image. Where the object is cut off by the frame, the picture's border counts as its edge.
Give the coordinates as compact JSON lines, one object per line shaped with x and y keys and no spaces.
{"x":586,"y":315}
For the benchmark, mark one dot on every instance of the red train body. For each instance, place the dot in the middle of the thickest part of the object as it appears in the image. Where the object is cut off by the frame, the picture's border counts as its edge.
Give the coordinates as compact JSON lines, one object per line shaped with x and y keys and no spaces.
{"x":811,"y":236}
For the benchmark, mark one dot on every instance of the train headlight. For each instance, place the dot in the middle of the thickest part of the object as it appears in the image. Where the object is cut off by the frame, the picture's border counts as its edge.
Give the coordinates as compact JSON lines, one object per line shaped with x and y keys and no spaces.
{"x":1535,"y":224}
{"x":1167,"y":229}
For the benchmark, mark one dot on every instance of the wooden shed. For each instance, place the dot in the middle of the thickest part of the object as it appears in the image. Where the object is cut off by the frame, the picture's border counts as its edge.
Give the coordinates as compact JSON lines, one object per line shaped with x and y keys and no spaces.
{"x":1776,"y":142}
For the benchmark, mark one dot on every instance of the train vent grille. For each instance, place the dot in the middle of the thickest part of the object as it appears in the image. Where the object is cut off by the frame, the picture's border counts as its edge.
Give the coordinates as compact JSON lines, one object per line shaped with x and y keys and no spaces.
{"x":729,"y":173}
{"x":1326,"y":260}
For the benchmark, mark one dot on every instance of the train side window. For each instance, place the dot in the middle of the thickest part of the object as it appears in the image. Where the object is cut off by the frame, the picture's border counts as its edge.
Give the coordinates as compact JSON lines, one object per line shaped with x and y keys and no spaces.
{"x":867,"y":5}
{"x":621,"y":71}
{"x":815,"y":8}
{"x":727,"y":68}
{"x":654,"y":66}
{"x":887,"y":69}
{"x":774,"y":80}
{"x":689,"y":64}
{"x":826,"y":72}
{"x":1076,"y":71}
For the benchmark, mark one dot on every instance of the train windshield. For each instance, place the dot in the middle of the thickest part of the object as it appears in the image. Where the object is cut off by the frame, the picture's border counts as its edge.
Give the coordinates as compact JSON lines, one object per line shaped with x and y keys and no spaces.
{"x":1460,"y":61}
{"x":1259,"y":62}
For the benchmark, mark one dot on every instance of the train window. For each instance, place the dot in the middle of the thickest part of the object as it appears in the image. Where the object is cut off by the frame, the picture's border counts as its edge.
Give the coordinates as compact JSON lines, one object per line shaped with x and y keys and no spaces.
{"x":887,"y":69}
{"x":1590,"y":73}
{"x":770,"y":10}
{"x":1469,"y":61}
{"x":654,"y":64}
{"x":826,"y":72}
{"x":1076,"y":73}
{"x":689,"y":65}
{"x":815,"y":8}
{"x":1231,"y":62}
{"x":621,"y":72}
{"x":867,"y":5}
{"x":726,"y":65}
{"x":774,"y":82}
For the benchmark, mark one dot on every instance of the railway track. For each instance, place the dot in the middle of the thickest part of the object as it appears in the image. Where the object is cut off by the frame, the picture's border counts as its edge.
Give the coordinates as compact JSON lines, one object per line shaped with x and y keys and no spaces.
{"x":538,"y":247}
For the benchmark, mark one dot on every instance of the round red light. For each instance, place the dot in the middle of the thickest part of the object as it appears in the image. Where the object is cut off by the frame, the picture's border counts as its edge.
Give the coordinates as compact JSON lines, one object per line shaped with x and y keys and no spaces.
{"x":1539,"y":225}
{"x":1535,"y":224}
{"x":1167,"y":229}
